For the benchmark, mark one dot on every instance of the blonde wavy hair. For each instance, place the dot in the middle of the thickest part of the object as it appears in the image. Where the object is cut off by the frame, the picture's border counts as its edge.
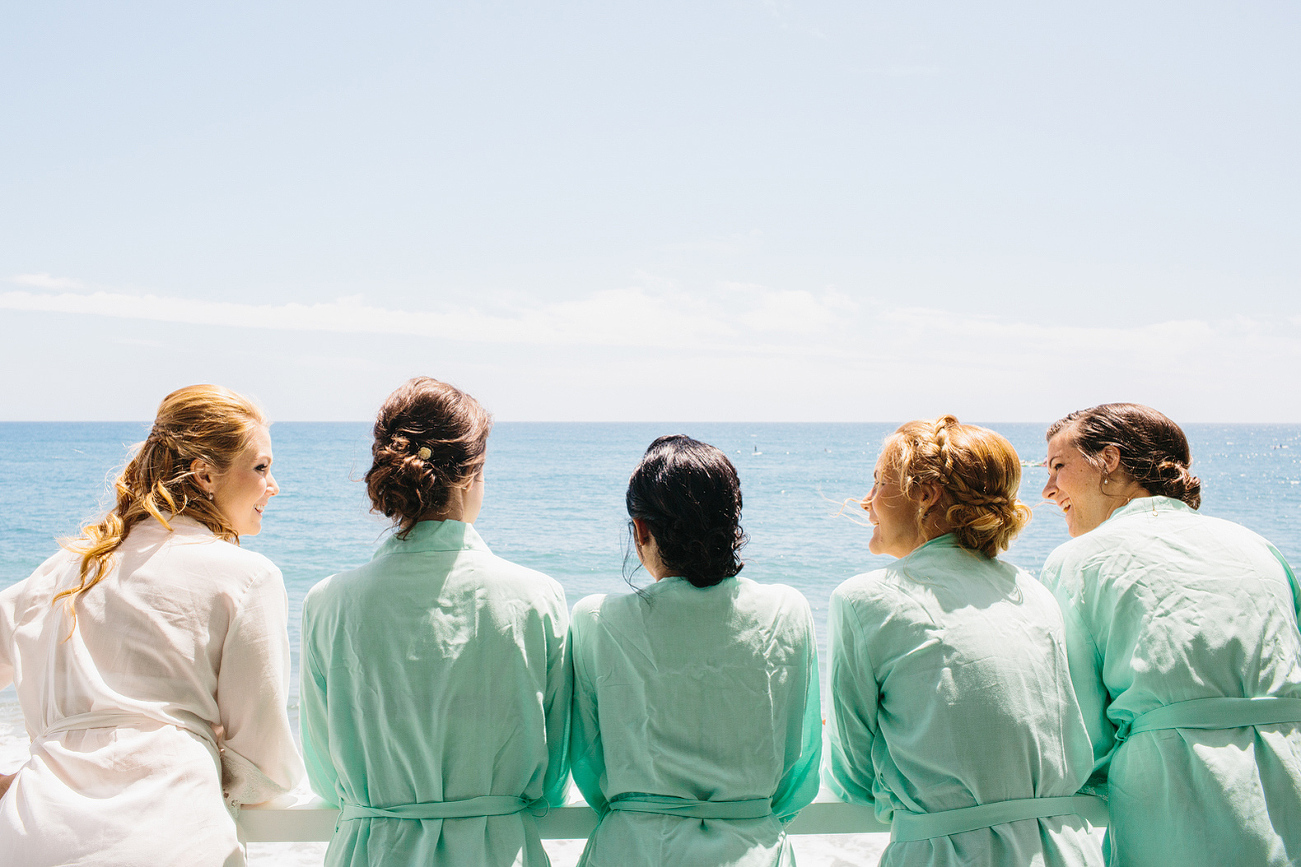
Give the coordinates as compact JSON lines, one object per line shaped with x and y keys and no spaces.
{"x":196,"y":423}
{"x":977,"y":472}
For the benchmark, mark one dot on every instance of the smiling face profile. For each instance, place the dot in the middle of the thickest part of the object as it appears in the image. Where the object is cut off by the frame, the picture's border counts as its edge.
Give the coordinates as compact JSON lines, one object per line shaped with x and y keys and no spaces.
{"x":896,"y":527}
{"x":1075,"y":484}
{"x":241,"y":492}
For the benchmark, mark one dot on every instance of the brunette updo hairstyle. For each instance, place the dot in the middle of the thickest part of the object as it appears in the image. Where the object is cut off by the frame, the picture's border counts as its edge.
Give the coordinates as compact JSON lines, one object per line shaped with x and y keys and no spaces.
{"x":197,"y":423}
{"x":689,"y":495}
{"x":1153,"y":449}
{"x":977,"y":472}
{"x":430,"y":437}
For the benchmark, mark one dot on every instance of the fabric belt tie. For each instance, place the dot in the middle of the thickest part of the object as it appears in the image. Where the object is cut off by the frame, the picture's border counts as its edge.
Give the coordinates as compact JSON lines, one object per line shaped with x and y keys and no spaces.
{"x":108,"y":719}
{"x":468,"y":808}
{"x":689,"y":808}
{"x":1217,"y":713}
{"x":907,"y":827}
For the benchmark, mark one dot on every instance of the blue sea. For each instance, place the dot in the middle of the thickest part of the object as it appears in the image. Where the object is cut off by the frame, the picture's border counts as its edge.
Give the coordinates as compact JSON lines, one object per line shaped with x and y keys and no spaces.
{"x":554,"y":498}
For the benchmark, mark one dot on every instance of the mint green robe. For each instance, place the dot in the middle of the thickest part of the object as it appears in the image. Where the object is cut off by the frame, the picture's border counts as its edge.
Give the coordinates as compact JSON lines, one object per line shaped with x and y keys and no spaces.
{"x":688,"y":693}
{"x":1166,"y":605}
{"x":949,"y":688}
{"x":437,"y":671}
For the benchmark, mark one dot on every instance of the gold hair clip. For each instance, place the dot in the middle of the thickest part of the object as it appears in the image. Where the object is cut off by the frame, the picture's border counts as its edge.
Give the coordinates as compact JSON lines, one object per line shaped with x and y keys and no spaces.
{"x":424,"y":453}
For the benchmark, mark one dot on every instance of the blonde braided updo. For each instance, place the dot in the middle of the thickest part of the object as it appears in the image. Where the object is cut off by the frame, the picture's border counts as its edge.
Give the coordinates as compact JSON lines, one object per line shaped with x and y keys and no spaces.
{"x":976,"y":471}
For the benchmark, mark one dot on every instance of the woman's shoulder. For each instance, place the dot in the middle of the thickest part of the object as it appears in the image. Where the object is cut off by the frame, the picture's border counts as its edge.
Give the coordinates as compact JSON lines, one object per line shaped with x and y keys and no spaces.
{"x":192,"y":549}
{"x":590,"y":607}
{"x":515,"y":581}
{"x":777,"y":596}
{"x":474,"y":569}
{"x":1075,"y":553}
{"x":878,"y":585}
{"x":44,"y":581}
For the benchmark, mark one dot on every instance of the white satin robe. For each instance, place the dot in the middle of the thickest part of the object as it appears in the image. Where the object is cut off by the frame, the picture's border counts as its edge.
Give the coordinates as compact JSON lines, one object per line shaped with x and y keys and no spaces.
{"x":179,"y":661}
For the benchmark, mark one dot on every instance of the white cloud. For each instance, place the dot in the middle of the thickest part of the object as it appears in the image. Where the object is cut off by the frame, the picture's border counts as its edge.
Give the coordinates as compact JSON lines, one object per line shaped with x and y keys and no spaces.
{"x":794,"y":312}
{"x":729,"y":351}
{"x":612,"y":317}
{"x":46,"y":281}
{"x":747,"y":321}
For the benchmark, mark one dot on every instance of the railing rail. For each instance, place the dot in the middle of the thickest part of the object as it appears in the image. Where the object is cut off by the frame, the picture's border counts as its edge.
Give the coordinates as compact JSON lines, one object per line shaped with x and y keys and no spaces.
{"x":313,"y":821}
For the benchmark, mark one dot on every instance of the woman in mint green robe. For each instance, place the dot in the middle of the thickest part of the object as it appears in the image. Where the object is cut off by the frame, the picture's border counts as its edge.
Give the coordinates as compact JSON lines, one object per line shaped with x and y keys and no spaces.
{"x":697,"y":730}
{"x":951,"y":703}
{"x":435,"y":678}
{"x":1185,"y":650}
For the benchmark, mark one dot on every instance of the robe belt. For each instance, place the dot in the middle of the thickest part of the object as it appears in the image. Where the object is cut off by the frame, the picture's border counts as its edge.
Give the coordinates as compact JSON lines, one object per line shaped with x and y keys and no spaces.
{"x":689,"y":808}
{"x":467,"y":808}
{"x":907,"y":827}
{"x":1217,"y":713}
{"x":115,"y":718}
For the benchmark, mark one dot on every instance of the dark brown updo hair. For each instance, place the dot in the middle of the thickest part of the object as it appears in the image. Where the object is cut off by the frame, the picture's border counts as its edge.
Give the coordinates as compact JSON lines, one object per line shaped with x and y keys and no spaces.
{"x":1153,"y":449}
{"x":689,"y":495}
{"x":977,"y":472}
{"x":430,"y":437}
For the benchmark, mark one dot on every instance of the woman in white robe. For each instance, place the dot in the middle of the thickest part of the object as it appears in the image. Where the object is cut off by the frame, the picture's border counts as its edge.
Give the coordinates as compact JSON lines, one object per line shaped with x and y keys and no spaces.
{"x":697,"y":729}
{"x":951,"y":703}
{"x":1185,"y":650}
{"x":151,"y":659}
{"x":435,"y":678}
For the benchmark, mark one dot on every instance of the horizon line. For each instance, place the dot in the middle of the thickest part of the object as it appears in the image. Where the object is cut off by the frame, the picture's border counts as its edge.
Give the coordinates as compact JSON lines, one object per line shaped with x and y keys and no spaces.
{"x":628,"y":421}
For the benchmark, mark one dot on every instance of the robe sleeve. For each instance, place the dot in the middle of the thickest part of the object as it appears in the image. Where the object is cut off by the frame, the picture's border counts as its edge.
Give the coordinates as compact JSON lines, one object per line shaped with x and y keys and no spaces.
{"x":586,"y":752}
{"x":313,"y":718}
{"x":556,"y":705}
{"x":799,"y":784}
{"x":851,"y":724}
{"x":1291,"y":580}
{"x":1084,"y":660}
{"x":259,"y":759}
{"x":8,"y":601}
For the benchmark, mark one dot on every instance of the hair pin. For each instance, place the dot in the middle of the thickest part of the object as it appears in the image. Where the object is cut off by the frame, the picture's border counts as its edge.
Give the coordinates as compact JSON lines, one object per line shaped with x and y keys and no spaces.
{"x":424,"y":453}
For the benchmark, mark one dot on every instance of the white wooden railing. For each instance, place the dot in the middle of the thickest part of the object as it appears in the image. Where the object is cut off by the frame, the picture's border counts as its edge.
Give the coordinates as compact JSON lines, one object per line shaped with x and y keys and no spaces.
{"x":309,"y":820}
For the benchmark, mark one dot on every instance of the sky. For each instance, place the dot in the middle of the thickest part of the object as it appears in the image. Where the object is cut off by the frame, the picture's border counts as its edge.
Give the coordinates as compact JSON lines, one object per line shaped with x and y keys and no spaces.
{"x":667,"y":211}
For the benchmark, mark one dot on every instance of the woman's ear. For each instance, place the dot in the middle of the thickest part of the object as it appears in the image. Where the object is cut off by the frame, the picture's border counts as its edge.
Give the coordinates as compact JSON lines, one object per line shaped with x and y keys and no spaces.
{"x":927,"y":496}
{"x":204,"y":476}
{"x":640,"y":532}
{"x":1110,"y":460}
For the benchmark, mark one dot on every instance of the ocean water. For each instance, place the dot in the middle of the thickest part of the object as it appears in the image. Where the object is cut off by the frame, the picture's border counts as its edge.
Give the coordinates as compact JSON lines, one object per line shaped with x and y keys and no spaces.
{"x":554,"y":500}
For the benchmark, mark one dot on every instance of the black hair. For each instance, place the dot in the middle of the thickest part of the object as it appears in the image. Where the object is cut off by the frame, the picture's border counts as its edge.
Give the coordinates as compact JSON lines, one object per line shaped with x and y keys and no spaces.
{"x":688,"y":494}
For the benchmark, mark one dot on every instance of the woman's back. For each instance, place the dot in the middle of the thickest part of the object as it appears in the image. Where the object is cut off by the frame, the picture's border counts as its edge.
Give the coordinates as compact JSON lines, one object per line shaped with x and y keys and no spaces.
{"x":702,"y":694}
{"x":952,"y":707}
{"x":1185,"y":606}
{"x":435,"y":673}
{"x":1171,"y":606}
{"x":975,"y":701}
{"x":182,"y":639}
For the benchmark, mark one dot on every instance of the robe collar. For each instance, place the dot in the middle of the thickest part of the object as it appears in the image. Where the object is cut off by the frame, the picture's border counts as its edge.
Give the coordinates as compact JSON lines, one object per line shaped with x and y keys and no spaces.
{"x":1154,"y":505}
{"x":934,"y":546}
{"x":435,"y":536}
